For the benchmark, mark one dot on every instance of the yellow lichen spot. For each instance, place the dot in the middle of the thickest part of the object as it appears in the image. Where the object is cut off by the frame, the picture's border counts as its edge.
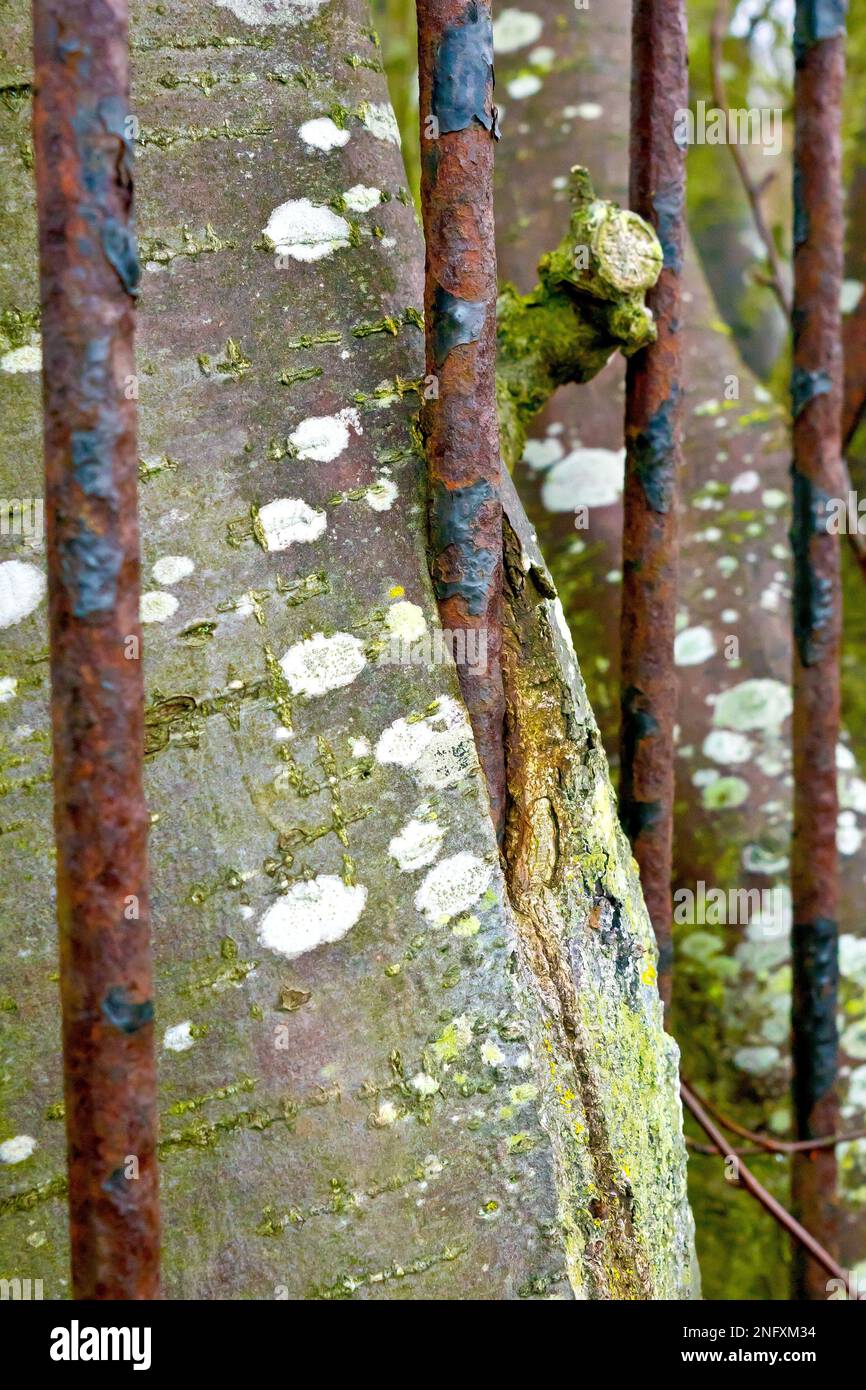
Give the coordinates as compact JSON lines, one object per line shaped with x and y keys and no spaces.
{"x":396,"y":591}
{"x":649,"y":975}
{"x":603,"y":818}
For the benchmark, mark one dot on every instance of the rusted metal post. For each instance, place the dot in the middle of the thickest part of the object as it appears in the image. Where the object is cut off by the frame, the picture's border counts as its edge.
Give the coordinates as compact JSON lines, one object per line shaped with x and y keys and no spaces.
{"x":817,"y":474}
{"x":458,"y":127}
{"x":659,"y":90}
{"x":89,"y":271}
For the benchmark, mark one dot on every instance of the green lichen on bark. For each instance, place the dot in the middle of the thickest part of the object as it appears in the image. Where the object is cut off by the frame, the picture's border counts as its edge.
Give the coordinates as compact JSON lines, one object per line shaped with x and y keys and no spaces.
{"x":608,"y":1070}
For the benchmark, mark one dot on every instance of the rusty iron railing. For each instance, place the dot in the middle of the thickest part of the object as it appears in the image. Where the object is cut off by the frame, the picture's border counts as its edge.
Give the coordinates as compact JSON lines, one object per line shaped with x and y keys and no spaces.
{"x":88,"y":273}
{"x":458,"y":127}
{"x":653,"y":457}
{"x":817,"y":474}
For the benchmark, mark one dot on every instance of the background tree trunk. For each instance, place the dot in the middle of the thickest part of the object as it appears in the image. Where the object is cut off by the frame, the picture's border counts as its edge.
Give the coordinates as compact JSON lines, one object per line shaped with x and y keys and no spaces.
{"x":733,"y":792}
{"x":377,"y":1077}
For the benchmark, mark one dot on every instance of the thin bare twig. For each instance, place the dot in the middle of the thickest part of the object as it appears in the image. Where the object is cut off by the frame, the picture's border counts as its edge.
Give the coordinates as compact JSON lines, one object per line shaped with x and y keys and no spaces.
{"x":776,"y":279}
{"x":747,"y":1180}
{"x":764,"y":1143}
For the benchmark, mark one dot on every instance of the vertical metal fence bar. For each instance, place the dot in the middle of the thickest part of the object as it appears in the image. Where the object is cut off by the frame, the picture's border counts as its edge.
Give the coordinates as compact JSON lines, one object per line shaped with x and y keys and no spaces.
{"x":458,"y":127}
{"x":89,"y":272}
{"x":653,"y":455}
{"x":817,"y":474}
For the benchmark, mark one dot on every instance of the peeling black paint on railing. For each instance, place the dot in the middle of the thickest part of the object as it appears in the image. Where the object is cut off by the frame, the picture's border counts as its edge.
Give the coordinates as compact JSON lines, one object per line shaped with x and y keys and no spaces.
{"x":815,"y":948}
{"x":455,"y":321}
{"x":653,"y":451}
{"x":813,"y":594}
{"x":668,"y":222}
{"x":455,"y":526}
{"x":463,"y":74}
{"x":817,"y":20}
{"x":805,"y":386}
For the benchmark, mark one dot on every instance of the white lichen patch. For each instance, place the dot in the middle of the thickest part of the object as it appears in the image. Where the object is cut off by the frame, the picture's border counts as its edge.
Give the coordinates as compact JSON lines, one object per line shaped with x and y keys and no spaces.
{"x":853,"y":1040}
{"x":22,"y":589}
{"x":857,"y":1089}
{"x":693,"y":646}
{"x":724,"y":793}
{"x":179,"y":1037}
{"x":18,"y":1149}
{"x":313,"y":913}
{"x":524,"y":85}
{"x":405,"y":621}
{"x":852,"y":958}
{"x":424,"y":1084}
{"x":757,"y":1061}
{"x":754,"y":704}
{"x":380,"y":120}
{"x":306,"y":231}
{"x":417,"y":845}
{"x":290,"y":521}
{"x":849,"y":838}
{"x":8,"y":688}
{"x":22,"y":359}
{"x":585,"y":111}
{"x":725,"y":746}
{"x":324,"y":437}
{"x":543,"y":57}
{"x":439,"y":750}
{"x":272,"y":11}
{"x":360,"y":747}
{"x":323,"y":134}
{"x":539,"y":454}
{"x":385,"y":1115}
{"x":453,"y":886}
{"x":157,"y":606}
{"x":170,"y":569}
{"x":514,"y":29}
{"x":382,"y":494}
{"x":774,"y":497}
{"x":360,"y":198}
{"x":321,"y":663}
{"x":585,"y":478}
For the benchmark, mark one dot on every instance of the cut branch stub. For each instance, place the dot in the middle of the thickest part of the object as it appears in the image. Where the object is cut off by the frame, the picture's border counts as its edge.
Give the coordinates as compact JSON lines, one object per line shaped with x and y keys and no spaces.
{"x":588,"y":304}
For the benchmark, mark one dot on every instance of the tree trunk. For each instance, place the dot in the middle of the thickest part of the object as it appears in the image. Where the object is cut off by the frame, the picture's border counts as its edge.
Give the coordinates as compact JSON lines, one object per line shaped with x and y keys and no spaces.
{"x":386,"y":1068}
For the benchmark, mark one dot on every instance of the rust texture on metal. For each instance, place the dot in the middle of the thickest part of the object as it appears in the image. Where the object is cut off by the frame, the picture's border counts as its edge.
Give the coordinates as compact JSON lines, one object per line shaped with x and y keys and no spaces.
{"x":88,"y":274}
{"x":458,"y":128}
{"x":653,"y":455}
{"x":817,"y":474}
